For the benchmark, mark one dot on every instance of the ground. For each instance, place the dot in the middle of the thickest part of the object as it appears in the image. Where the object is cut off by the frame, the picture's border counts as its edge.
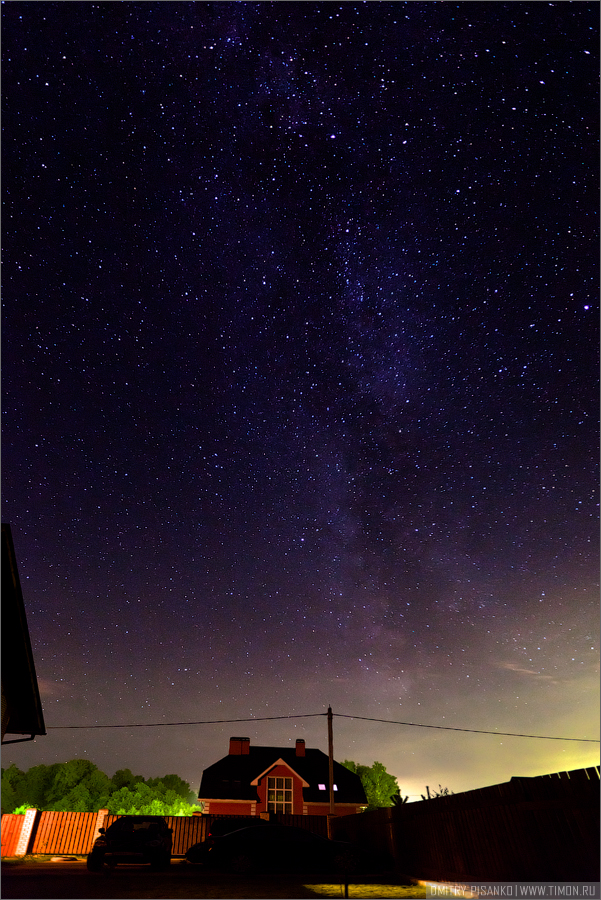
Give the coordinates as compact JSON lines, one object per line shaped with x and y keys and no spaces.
{"x":41,"y":877}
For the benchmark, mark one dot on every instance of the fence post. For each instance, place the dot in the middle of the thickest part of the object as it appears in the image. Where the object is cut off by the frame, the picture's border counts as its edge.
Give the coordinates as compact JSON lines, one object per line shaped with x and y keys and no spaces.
{"x":99,"y":823}
{"x":26,"y":829}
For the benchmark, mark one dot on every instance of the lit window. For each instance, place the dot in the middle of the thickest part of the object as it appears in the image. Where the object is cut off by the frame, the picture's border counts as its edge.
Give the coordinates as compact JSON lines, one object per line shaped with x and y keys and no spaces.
{"x":335,"y":787}
{"x":279,"y":795}
{"x":321,"y":787}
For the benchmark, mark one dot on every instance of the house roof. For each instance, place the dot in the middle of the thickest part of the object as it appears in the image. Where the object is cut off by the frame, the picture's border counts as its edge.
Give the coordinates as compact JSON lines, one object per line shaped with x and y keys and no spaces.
{"x":21,"y":705}
{"x":230,"y":778}
{"x":278,"y":762}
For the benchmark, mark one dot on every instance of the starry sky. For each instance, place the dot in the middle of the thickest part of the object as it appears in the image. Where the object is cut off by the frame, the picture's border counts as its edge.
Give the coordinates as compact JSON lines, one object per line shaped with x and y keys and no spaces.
{"x":300,"y":332}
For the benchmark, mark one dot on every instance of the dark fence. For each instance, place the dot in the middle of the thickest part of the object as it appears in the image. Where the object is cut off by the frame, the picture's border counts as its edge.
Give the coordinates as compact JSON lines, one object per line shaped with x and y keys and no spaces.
{"x":543,"y":828}
{"x":316,"y":824}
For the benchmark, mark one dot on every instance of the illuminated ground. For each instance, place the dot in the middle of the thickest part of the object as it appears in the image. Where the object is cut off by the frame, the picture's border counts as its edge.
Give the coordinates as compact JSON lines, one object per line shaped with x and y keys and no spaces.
{"x":367,"y":890}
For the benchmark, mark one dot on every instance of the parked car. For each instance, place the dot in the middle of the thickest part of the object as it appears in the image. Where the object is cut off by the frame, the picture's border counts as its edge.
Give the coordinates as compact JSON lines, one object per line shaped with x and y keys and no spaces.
{"x":197,"y":853}
{"x":278,"y":848}
{"x":228,"y":824}
{"x":133,"y":839}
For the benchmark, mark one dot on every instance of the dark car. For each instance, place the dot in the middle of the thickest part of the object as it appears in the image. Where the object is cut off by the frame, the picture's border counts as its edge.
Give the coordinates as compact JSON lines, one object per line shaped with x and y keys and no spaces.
{"x":219,"y":827}
{"x":197,"y":853}
{"x":277,"y":848}
{"x":132,"y":839}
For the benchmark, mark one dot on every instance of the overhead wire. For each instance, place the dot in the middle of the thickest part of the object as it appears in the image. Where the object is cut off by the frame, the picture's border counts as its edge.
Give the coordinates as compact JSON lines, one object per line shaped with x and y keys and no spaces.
{"x":202,"y":722}
{"x":542,"y":737}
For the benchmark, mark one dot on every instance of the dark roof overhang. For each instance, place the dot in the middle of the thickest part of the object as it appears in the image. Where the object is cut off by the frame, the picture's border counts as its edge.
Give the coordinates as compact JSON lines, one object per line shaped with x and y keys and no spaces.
{"x":21,"y":704}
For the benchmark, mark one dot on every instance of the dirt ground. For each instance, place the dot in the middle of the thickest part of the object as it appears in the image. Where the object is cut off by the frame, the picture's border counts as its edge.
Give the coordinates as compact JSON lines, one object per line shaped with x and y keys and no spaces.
{"x":35,"y":878}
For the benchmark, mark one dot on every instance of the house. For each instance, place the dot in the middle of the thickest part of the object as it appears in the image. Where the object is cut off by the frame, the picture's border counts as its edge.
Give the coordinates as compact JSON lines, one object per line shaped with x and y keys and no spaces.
{"x":254,"y":780}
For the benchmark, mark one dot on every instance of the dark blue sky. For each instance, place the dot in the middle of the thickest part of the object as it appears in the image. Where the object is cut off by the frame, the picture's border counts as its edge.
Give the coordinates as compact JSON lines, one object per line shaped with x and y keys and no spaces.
{"x":300,"y":377}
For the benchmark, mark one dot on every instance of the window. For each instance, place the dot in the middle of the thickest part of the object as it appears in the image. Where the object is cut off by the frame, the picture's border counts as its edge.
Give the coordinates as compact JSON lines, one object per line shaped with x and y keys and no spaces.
{"x":279,"y":795}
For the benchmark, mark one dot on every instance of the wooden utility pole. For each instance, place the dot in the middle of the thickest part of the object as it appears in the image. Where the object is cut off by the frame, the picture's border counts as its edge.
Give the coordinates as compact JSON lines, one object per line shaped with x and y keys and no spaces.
{"x":331,"y":759}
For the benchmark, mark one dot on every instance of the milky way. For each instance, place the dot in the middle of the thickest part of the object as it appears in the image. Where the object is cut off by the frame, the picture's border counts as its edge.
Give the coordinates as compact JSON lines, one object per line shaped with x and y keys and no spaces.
{"x":300,"y":378}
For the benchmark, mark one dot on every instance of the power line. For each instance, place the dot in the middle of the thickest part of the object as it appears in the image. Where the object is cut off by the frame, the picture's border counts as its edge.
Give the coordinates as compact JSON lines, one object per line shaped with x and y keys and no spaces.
{"x":205,"y":722}
{"x":541,"y":737}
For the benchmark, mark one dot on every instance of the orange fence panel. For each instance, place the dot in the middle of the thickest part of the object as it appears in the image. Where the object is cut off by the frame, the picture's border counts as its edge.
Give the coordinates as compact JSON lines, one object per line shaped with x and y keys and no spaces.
{"x":11,"y":830}
{"x":64,"y":832}
{"x":187,"y":830}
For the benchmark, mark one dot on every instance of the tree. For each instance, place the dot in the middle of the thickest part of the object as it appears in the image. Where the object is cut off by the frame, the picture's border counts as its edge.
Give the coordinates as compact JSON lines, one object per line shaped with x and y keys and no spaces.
{"x":379,"y":785}
{"x":124,"y":778}
{"x":37,"y":782}
{"x":25,"y":789}
{"x":80,"y":786}
{"x":11,"y":788}
{"x":174,"y":783}
{"x":432,"y":795}
{"x":142,"y":799}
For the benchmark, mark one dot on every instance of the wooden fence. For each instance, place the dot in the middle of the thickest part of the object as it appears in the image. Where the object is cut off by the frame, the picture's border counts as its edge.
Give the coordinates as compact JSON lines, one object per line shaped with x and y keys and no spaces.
{"x":54,"y":832}
{"x":527,"y":829}
{"x":63,"y":832}
{"x":11,"y":832}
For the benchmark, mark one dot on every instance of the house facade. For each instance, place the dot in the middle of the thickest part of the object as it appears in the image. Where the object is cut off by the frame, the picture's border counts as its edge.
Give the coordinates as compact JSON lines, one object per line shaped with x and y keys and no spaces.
{"x":251,"y":781}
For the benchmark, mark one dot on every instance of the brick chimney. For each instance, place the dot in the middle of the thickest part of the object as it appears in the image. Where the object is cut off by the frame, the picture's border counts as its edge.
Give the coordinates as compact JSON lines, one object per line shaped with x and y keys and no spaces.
{"x":239,"y":746}
{"x":300,"y":747}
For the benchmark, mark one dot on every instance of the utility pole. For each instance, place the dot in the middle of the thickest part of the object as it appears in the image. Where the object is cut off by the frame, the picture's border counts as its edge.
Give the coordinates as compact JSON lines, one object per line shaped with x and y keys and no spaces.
{"x":331,"y":760}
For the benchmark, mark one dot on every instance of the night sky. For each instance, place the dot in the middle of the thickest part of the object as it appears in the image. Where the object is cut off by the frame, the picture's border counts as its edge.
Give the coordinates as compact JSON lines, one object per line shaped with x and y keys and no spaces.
{"x":300,"y":332}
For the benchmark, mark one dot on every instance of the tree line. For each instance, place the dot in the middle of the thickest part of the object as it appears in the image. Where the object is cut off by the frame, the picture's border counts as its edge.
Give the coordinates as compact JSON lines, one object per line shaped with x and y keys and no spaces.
{"x":80,"y":786}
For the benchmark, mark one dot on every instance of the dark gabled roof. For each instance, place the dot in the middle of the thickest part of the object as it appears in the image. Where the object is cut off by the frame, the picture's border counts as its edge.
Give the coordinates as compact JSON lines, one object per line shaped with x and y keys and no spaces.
{"x":230,"y":778}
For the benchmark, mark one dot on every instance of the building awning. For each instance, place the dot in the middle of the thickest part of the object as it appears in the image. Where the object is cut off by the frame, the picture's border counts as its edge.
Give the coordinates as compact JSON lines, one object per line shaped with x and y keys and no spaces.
{"x":21,"y":704}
